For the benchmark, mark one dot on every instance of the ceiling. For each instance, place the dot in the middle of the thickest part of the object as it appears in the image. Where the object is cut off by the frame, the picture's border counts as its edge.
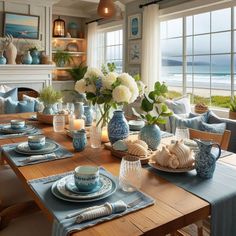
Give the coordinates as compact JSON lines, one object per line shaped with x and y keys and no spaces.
{"x":83,"y":8}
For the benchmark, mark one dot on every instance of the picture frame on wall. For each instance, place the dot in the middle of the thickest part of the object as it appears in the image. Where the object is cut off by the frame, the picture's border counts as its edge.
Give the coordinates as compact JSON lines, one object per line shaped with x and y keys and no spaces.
{"x":134,"y":26}
{"x":21,"y":25}
{"x":135,"y":52}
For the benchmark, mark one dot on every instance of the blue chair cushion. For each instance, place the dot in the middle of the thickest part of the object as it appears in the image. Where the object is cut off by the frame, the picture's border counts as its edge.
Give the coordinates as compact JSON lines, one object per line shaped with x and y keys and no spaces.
{"x":13,"y":94}
{"x":18,"y":107}
{"x":214,"y":128}
{"x":193,"y":123}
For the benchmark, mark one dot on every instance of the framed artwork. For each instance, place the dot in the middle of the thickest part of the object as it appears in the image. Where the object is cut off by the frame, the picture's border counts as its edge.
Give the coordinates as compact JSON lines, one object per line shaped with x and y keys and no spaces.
{"x":134,"y":26}
{"x":134,"y":70}
{"x":134,"y":52}
{"x":21,"y":25}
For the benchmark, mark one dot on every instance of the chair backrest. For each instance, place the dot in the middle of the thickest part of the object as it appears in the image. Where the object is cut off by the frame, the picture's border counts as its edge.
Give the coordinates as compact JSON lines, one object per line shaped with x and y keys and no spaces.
{"x":221,"y":139}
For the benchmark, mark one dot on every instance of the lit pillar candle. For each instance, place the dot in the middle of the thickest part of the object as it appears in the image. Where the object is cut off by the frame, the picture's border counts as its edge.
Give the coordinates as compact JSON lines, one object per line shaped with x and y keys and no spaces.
{"x":105,"y":138}
{"x":78,"y":124}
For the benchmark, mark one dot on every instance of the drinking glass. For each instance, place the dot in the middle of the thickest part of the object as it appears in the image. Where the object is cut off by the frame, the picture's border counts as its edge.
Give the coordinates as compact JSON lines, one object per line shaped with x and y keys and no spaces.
{"x":70,"y":107}
{"x":95,"y":136}
{"x":182,"y":133}
{"x":130,"y":178}
{"x":58,"y":123}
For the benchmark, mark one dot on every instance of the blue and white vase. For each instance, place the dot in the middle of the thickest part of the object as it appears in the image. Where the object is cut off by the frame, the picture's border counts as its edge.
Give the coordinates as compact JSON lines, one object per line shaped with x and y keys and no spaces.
{"x":79,"y":140}
{"x":35,"y":54}
{"x":3,"y":60}
{"x":27,"y":59}
{"x":118,"y":128}
{"x":88,"y":112}
{"x":151,"y":134}
{"x":48,"y":109}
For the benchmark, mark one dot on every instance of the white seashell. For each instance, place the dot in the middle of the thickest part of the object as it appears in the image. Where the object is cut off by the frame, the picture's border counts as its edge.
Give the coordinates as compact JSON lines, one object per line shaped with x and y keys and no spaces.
{"x":142,"y":143}
{"x":183,"y":153}
{"x":173,"y":162}
{"x":137,"y":150}
{"x":162,"y":157}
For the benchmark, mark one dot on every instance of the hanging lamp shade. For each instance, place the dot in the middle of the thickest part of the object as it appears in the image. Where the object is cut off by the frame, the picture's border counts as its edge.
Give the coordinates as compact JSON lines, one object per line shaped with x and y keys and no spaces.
{"x":106,"y":8}
{"x":59,"y":28}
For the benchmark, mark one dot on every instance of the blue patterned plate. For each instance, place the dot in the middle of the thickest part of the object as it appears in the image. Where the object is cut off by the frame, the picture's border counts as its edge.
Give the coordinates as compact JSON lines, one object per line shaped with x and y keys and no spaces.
{"x":70,"y":185}
{"x":8,"y":130}
{"x":24,"y":148}
{"x":58,"y":189}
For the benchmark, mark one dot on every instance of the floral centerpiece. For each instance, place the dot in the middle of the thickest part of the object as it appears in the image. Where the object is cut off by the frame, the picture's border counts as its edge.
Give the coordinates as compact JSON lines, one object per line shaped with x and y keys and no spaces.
{"x":108,"y":90}
{"x":154,"y":113}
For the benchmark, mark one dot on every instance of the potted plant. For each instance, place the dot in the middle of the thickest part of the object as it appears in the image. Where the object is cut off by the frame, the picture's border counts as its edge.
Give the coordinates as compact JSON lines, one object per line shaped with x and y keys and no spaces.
{"x":232,"y":109}
{"x":155,"y":111}
{"x":49,"y":97}
{"x":78,"y":72}
{"x":62,"y":58}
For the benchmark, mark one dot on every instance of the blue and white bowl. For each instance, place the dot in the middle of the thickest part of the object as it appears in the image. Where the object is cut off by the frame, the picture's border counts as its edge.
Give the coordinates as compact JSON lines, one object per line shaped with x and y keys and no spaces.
{"x":36,"y":142}
{"x":17,"y":124}
{"x":86,"y":178}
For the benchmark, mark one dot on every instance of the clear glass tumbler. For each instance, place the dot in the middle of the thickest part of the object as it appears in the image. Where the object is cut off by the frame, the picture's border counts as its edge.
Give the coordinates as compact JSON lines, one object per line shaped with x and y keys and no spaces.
{"x":70,"y":107}
{"x":58,"y":123}
{"x":130,"y":178}
{"x":182,"y":133}
{"x":95,"y":136}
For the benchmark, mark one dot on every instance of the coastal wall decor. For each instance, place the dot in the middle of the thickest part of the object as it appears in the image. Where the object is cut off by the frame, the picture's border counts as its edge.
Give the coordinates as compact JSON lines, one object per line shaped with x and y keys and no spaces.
{"x":134,"y":26}
{"x":134,"y":52}
{"x":21,"y":25}
{"x":134,"y":70}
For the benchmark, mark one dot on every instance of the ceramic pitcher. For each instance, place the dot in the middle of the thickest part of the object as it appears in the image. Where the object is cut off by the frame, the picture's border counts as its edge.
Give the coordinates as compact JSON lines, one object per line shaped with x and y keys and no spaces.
{"x":205,"y":159}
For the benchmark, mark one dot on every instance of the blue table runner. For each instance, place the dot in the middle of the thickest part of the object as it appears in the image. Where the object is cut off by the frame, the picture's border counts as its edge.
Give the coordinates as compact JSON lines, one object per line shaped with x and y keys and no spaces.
{"x":60,"y":209}
{"x":220,"y":192}
{"x":17,"y":158}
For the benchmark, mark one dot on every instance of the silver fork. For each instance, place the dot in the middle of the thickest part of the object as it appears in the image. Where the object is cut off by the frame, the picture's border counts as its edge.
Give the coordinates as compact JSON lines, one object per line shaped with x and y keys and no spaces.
{"x":129,"y":205}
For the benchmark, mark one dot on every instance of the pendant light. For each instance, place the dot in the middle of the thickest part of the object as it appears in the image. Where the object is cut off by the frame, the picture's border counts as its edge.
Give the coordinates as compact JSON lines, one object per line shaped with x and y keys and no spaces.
{"x":59,"y":28}
{"x":106,"y":8}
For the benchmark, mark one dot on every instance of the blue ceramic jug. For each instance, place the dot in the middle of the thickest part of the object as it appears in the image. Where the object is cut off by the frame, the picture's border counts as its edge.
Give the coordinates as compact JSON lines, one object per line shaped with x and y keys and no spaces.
{"x":205,"y":159}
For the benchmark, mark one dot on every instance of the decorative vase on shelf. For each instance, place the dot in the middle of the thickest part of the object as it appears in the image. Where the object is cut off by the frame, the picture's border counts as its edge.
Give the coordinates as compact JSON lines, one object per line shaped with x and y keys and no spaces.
{"x":10,"y":51}
{"x":118,"y":128}
{"x":48,"y":109}
{"x":151,"y":134}
{"x":3,"y":60}
{"x":88,"y":112}
{"x":35,"y":54}
{"x":27,"y":59}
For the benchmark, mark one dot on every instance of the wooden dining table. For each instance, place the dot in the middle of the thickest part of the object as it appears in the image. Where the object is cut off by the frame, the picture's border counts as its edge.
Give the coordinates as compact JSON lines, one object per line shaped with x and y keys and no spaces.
{"x":174,"y":207}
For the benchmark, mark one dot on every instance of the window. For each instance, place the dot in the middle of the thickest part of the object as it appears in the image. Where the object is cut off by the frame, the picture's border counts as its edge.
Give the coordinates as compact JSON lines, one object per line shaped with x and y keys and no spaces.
{"x":110,"y":47}
{"x":198,"y":56}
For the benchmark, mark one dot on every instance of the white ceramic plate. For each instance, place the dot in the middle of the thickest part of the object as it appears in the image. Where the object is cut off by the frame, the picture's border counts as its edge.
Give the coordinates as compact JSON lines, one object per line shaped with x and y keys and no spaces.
{"x":105,"y":188}
{"x":24,"y":148}
{"x":166,"y":169}
{"x":57,"y":194}
{"x":8,"y":130}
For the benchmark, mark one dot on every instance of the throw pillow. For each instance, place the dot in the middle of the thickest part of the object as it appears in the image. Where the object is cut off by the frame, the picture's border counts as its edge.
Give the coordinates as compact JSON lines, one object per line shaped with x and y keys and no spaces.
{"x":214,"y":128}
{"x":12,"y":93}
{"x":180,"y":105}
{"x":18,"y":107}
{"x":4,"y":88}
{"x":38,"y":105}
{"x":193,"y":123}
{"x":10,"y":106}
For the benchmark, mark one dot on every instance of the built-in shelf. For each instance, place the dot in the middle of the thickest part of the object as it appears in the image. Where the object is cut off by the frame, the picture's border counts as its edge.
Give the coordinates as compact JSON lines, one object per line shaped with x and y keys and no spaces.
{"x":72,"y":53}
{"x":70,"y":39}
{"x":63,"y":68}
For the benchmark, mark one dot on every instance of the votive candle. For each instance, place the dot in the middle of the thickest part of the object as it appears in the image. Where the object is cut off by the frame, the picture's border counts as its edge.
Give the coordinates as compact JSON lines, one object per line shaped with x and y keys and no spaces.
{"x":105,"y":138}
{"x":78,"y":124}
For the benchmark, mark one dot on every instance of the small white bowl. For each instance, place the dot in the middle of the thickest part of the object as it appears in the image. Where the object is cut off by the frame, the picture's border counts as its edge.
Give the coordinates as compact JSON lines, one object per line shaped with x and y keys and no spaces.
{"x":17,"y":124}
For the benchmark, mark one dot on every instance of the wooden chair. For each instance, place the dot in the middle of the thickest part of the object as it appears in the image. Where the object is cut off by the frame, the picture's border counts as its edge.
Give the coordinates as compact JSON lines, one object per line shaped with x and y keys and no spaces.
{"x":221,"y":139}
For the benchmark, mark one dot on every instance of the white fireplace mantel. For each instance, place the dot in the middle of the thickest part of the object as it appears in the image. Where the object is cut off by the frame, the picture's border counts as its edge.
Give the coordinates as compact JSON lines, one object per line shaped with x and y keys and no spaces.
{"x":29,"y":76}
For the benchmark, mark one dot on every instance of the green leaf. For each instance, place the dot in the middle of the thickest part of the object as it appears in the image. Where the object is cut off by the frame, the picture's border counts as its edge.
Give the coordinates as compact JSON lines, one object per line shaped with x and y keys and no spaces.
{"x":149,"y":118}
{"x":116,"y":83}
{"x":160,"y":121}
{"x":164,"y":108}
{"x":152,"y":95}
{"x":157,"y":86}
{"x":146,"y":105}
{"x":90,"y":96}
{"x":137,"y":78}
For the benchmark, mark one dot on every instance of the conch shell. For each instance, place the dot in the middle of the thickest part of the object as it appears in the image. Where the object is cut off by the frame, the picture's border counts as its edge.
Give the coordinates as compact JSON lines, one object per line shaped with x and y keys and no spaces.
{"x":137,"y":150}
{"x":183,"y":153}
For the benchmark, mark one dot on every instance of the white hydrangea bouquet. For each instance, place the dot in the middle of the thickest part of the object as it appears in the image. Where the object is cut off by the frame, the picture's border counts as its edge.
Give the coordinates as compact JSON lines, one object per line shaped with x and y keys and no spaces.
{"x":109,"y":90}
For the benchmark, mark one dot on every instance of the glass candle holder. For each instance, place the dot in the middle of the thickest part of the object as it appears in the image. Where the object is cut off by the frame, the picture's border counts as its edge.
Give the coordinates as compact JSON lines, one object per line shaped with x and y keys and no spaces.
{"x":58,"y":123}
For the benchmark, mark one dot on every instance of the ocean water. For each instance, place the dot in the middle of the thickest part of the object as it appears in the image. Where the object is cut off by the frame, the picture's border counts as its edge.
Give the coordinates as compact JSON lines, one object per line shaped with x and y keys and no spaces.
{"x":21,"y":31}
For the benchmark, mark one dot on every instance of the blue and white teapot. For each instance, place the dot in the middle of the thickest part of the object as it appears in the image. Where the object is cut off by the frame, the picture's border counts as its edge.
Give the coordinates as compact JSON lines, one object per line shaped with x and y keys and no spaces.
{"x":205,"y":159}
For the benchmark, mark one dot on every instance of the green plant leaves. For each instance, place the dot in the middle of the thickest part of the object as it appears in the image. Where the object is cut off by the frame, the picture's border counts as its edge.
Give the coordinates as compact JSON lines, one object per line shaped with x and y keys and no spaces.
{"x":146,"y":105}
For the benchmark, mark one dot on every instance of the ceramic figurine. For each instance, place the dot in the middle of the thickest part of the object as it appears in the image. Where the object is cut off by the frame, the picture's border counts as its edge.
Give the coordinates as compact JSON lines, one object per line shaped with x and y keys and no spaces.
{"x":27,"y":59}
{"x":10,"y":50}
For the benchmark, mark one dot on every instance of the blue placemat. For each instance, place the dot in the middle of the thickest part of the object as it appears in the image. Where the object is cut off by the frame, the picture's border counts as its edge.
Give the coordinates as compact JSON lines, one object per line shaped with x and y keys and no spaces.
{"x":60,"y":209}
{"x":34,"y":131}
{"x":220,"y":192}
{"x":18,"y":159}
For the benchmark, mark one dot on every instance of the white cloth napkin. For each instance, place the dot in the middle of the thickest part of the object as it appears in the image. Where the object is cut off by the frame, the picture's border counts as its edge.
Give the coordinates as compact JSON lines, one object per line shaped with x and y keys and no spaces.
{"x":103,"y":210}
{"x":40,"y":157}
